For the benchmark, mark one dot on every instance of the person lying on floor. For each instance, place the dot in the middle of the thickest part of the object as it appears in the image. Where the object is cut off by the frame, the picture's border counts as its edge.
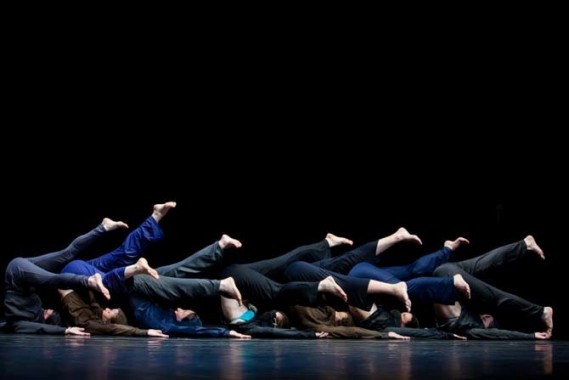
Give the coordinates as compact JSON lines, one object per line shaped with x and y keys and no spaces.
{"x":492,"y":313}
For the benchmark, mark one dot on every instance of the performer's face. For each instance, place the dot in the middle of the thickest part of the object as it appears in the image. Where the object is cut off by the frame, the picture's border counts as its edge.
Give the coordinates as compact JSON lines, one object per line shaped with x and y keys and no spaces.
{"x":406,"y":318}
{"x":109,"y":314}
{"x":273,"y":318}
{"x":488,"y":320}
{"x":47,"y":313}
{"x":342,"y":318}
{"x":279,"y":319}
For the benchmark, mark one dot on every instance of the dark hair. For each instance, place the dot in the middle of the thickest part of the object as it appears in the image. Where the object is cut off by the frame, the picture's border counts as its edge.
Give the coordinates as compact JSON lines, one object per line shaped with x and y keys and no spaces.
{"x":413,"y":323}
{"x":268,"y":318}
{"x":285,"y":323}
{"x":54,"y":319}
{"x":120,"y":319}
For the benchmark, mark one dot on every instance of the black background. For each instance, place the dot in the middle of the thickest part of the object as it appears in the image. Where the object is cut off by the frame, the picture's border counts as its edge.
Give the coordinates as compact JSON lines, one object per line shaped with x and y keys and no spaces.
{"x":280,"y":188}
{"x":276,"y":144}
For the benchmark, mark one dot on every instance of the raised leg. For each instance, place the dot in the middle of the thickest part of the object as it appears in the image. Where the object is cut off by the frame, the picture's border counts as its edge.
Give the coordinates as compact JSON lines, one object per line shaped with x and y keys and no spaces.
{"x":55,"y":261}
{"x":275,"y":267}
{"x":486,"y":298}
{"x":496,"y":259}
{"x":132,"y":248}
{"x":207,"y":259}
{"x":23,"y":274}
{"x":174,"y":290}
{"x":368,"y":252}
{"x":357,"y":289}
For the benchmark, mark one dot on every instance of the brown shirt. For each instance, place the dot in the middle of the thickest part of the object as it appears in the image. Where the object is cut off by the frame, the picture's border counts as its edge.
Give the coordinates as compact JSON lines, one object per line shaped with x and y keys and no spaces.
{"x":323,"y":318}
{"x":77,"y":312}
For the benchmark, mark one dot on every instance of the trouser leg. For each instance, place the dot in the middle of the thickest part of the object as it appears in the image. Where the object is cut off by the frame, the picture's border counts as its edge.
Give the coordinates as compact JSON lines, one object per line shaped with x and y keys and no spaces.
{"x":270,"y":294}
{"x":204,"y":260}
{"x":432,"y":290}
{"x":173,"y":289}
{"x":423,"y":266}
{"x":344,"y":263}
{"x":21,"y":273}
{"x":54,"y":261}
{"x":275,"y":267}
{"x":132,"y":248}
{"x":370,"y":271}
{"x":355,"y":288}
{"x":493,"y":260}
{"x":486,"y":298}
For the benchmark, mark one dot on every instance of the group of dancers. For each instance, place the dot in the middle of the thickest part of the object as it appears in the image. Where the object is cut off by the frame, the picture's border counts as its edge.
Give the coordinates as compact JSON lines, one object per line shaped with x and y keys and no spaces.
{"x":307,"y":293}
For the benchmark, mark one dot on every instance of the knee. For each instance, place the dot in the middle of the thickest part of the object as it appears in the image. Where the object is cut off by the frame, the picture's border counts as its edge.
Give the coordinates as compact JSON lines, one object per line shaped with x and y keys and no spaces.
{"x":16,"y":265}
{"x":16,"y":262}
{"x":290,"y":270}
{"x":445,"y":270}
{"x":231,"y":270}
{"x":359,"y":270}
{"x":295,"y":266}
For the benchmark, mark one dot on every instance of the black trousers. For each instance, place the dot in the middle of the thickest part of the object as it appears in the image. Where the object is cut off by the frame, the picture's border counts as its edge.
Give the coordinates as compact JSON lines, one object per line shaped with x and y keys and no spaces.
{"x":487,"y":299}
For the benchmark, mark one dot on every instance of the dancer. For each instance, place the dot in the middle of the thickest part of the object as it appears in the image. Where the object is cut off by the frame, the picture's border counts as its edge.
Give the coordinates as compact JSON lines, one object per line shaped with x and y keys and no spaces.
{"x":492,"y":313}
{"x":23,"y":306}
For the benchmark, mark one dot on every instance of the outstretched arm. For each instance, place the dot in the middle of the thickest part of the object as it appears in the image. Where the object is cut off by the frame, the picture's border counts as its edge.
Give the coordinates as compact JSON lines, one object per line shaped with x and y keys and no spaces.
{"x":157,"y":333}
{"x":499,"y":334}
{"x":424,"y":333}
{"x":316,"y":320}
{"x":235,"y":334}
{"x":26,"y":327}
{"x":76,"y":331}
{"x":86,"y":315}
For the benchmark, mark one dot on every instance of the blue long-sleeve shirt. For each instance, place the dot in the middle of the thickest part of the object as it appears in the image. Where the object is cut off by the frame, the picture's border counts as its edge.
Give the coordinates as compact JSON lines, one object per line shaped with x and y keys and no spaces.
{"x":152,"y":316}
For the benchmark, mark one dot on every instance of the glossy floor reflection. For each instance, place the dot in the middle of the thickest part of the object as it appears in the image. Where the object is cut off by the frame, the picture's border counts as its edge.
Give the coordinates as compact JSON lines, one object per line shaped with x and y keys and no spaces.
{"x":28,"y":356}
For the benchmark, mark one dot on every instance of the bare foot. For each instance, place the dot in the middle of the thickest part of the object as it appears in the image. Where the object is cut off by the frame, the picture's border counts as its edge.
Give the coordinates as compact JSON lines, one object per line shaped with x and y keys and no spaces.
{"x":456,"y":243}
{"x":394,"y":335}
{"x":182,"y":314}
{"x":227,"y":241}
{"x":401,"y":293}
{"x":160,"y":210}
{"x":334,"y":240}
{"x":403,"y":235}
{"x":142,"y":267}
{"x":95,"y":282}
{"x":109,"y":224}
{"x":228,"y":288}
{"x":235,"y":334}
{"x":547,"y":317}
{"x":328,"y":285}
{"x":532,"y":246}
{"x":461,"y":285}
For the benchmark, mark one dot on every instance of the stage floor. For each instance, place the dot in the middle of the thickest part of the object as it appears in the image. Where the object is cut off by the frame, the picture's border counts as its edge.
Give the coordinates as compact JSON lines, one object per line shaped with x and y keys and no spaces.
{"x":46,"y":357}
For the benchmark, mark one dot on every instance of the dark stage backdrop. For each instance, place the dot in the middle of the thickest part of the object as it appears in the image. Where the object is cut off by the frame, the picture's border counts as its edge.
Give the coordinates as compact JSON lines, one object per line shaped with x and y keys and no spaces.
{"x":276,"y":195}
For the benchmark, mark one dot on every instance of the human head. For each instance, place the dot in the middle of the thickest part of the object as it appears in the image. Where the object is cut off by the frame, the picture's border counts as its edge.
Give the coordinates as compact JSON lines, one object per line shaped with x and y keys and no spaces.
{"x":488,"y":321}
{"x":114,"y":316}
{"x":409,"y":320}
{"x":282,"y":320}
{"x":274,"y":318}
{"x":343,"y":318}
{"x":51,"y":317}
